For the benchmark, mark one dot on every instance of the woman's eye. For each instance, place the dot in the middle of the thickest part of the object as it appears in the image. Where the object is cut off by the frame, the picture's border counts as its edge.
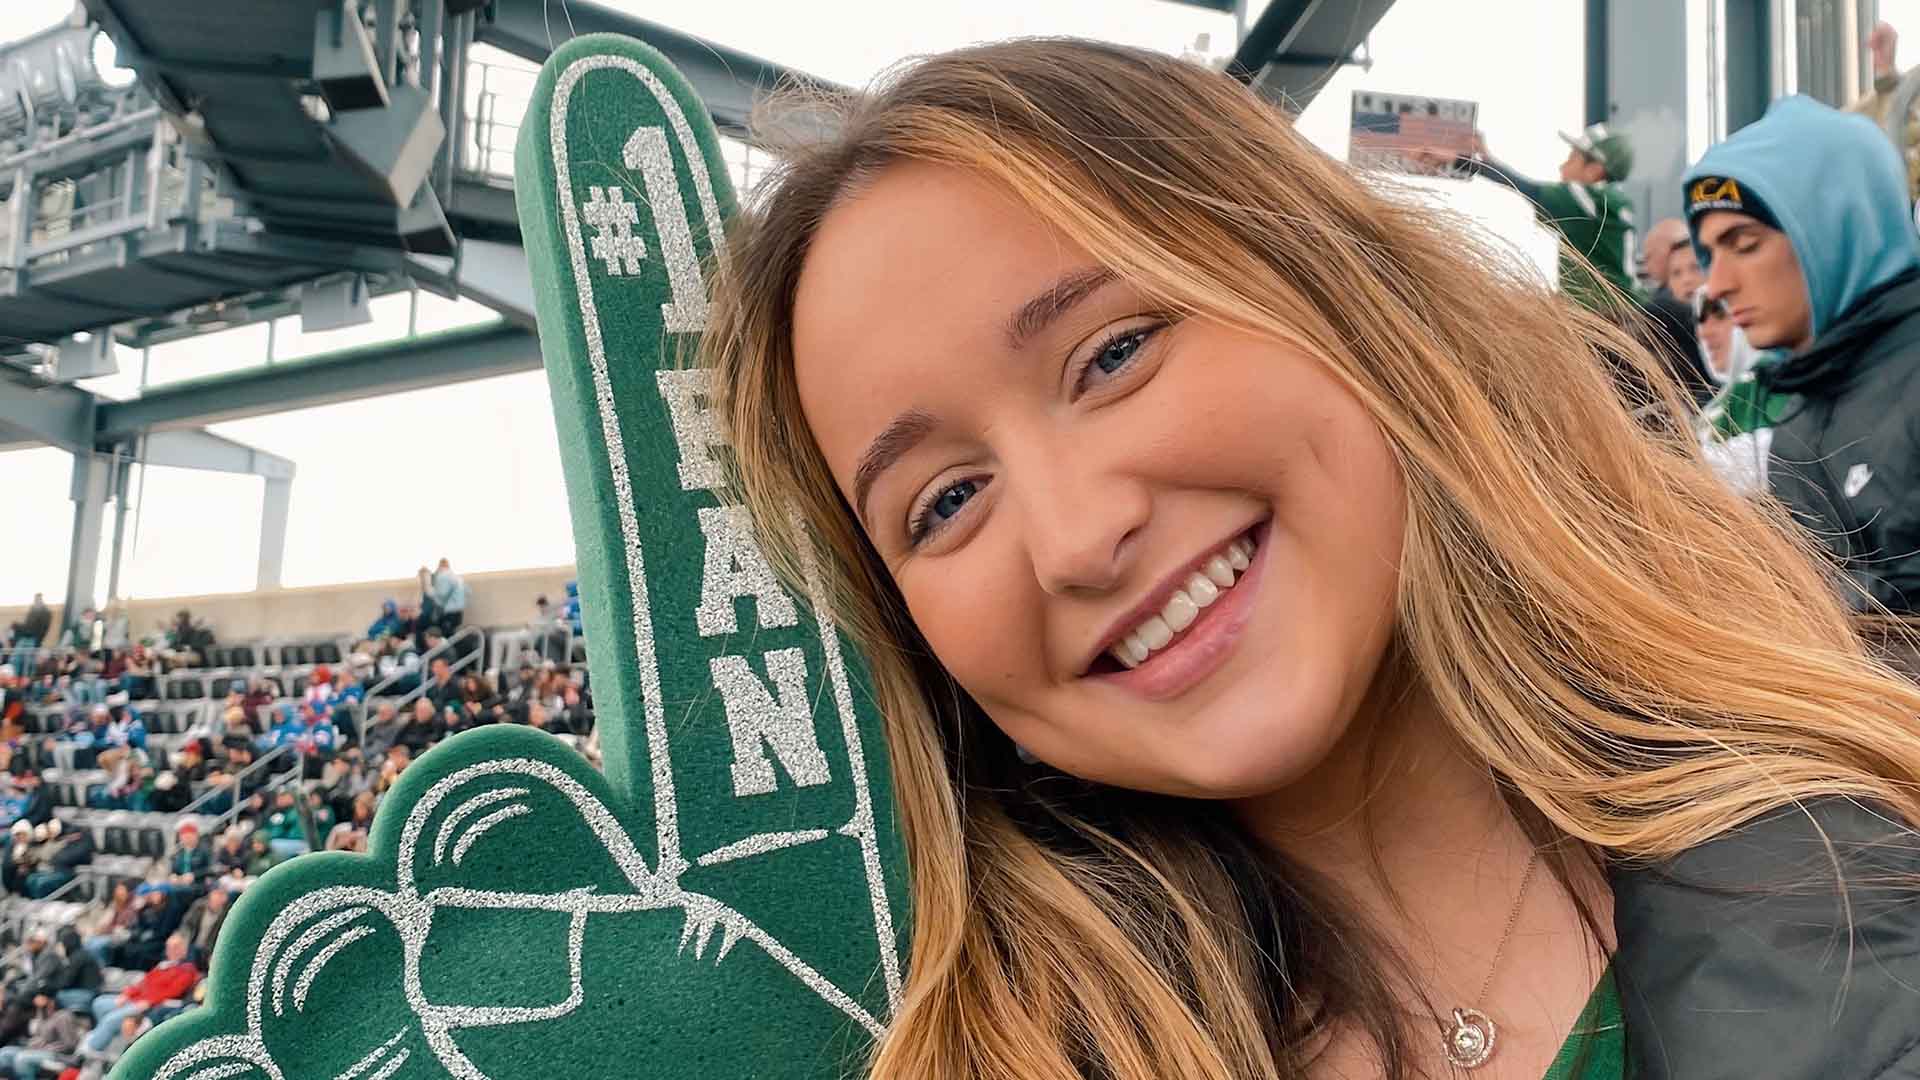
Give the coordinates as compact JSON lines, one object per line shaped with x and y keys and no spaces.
{"x":938,"y":510}
{"x":1113,"y":356}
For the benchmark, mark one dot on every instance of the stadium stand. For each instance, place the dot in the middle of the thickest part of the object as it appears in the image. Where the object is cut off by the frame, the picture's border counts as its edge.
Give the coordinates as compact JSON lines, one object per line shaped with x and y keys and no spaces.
{"x":142,"y":788}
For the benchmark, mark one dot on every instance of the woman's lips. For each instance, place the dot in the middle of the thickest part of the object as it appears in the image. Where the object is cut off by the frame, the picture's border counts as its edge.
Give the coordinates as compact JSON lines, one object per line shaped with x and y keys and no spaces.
{"x":1207,"y":644}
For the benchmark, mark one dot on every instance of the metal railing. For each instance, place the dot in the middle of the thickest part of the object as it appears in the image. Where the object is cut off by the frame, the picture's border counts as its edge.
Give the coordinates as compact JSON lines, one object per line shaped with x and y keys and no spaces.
{"x":234,"y":783}
{"x":472,"y":657}
{"x":225,"y":821}
{"x":493,"y":91}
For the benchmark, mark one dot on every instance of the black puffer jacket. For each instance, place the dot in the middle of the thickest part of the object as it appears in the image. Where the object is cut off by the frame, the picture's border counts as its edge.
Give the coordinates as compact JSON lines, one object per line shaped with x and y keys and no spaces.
{"x":1745,"y":960}
{"x":1846,"y":456}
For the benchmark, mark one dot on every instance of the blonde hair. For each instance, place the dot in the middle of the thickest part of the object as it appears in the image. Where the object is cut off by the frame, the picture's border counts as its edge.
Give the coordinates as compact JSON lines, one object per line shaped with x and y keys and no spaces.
{"x":1641,"y":658}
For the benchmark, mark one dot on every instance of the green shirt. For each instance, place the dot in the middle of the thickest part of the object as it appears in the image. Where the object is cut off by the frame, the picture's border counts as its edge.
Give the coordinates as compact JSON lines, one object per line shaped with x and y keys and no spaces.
{"x":1597,"y":1049}
{"x":1596,"y":221}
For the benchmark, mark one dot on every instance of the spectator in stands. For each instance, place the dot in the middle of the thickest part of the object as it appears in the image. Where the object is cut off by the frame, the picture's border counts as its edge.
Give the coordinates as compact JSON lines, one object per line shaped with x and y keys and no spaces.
{"x":13,"y":701}
{"x":392,"y":767}
{"x":240,"y":759}
{"x":317,"y":816}
{"x":350,"y":833}
{"x":118,"y":635}
{"x":78,"y":980}
{"x":232,"y":851}
{"x":53,"y":1033}
{"x":42,"y":970}
{"x":1877,"y":102}
{"x":187,"y":641}
{"x":69,"y":848}
{"x":286,"y":832}
{"x":170,"y":982}
{"x":449,"y":596}
{"x":425,"y":729}
{"x":108,"y":922}
{"x":124,"y":726}
{"x":576,"y":713}
{"x":260,"y":854}
{"x":202,"y":924}
{"x":31,"y":632}
{"x":320,"y":687}
{"x":191,"y":864}
{"x":24,"y":795}
{"x":1685,"y":279}
{"x":170,"y":794}
{"x":16,"y":862}
{"x":387,"y":625}
{"x":1588,"y":208}
{"x":96,"y":1063}
{"x":258,"y":696}
{"x":443,"y":689}
{"x":137,"y":678}
{"x":1656,"y":252}
{"x":382,"y":730}
{"x":1825,"y":265}
{"x":154,"y":918}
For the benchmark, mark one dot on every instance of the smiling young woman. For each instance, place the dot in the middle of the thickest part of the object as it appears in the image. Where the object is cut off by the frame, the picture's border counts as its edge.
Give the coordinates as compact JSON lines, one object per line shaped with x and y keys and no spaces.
{"x":1296,"y":661}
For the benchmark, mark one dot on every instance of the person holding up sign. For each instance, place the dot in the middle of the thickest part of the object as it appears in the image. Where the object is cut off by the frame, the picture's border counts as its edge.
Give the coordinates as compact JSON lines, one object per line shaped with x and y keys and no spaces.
{"x":1278,"y":681}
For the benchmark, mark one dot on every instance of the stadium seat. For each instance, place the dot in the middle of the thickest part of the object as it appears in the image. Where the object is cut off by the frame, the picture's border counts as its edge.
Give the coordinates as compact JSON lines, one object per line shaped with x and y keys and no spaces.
{"x":153,"y":842}
{"x":326,"y":653}
{"x":217,"y":657}
{"x":192,"y":689}
{"x":294,"y":656}
{"x":299,"y":687}
{"x":243,"y":657}
{"x":119,"y":840}
{"x":218,"y":688}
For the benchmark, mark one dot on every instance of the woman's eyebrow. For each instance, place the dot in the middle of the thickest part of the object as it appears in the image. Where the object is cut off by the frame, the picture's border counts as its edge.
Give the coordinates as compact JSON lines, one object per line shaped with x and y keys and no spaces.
{"x":902,"y":434}
{"x":1057,"y":299}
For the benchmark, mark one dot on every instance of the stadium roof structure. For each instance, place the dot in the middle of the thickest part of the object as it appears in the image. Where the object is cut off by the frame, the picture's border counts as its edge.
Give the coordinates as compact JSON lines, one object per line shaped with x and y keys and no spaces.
{"x":270,"y":159}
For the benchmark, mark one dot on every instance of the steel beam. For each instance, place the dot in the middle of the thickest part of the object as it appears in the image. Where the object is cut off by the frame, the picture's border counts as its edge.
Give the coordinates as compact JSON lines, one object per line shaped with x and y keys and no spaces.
{"x":728,"y":80}
{"x":187,"y":448}
{"x":90,"y":475}
{"x":45,"y":415}
{"x":477,"y":352}
{"x":1288,"y":51}
{"x":497,"y":276}
{"x":274,"y":503}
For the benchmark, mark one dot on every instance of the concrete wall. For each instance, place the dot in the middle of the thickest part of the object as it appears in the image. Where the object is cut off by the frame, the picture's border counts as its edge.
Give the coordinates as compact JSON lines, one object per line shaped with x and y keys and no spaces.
{"x":503,"y":598}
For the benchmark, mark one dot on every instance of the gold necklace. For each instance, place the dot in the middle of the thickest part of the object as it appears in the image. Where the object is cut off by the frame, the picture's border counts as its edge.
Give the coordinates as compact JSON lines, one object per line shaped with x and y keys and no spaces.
{"x":1470,"y":1036}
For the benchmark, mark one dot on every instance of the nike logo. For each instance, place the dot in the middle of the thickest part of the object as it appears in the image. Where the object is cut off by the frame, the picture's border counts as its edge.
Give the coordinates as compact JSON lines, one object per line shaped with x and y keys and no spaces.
{"x":1857,"y":479}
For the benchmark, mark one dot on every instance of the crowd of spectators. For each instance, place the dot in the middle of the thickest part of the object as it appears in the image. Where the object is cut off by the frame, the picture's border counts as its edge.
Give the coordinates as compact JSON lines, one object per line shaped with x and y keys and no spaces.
{"x":73,"y":997}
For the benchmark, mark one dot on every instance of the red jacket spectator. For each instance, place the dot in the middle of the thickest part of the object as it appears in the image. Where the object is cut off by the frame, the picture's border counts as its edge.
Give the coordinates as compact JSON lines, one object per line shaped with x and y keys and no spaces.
{"x":171,"y":981}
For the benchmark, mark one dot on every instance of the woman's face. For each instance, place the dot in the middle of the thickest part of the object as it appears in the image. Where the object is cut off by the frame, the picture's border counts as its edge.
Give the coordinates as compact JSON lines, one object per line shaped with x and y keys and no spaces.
{"x":1716,"y":333}
{"x":1053,"y":471}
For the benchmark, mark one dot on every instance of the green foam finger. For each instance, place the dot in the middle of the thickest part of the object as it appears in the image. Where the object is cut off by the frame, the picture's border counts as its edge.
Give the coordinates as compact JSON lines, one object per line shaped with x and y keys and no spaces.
{"x":728,"y":899}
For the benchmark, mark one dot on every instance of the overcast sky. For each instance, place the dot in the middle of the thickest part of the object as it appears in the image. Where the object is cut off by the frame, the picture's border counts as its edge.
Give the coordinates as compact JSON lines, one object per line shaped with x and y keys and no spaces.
{"x":471,"y":471}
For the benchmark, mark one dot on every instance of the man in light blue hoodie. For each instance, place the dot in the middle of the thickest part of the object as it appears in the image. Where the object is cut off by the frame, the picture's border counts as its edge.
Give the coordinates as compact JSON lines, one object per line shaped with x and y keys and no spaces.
{"x":1803,"y":223}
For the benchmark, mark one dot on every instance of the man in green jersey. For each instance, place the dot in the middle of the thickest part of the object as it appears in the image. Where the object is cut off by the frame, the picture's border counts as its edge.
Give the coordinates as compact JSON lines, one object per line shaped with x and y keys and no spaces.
{"x":1587,"y":207}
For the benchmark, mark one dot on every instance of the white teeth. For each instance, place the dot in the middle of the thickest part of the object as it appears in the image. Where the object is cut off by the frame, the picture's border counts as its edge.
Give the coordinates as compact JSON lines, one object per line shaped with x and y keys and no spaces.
{"x":1237,"y":556}
{"x":1180,"y":611}
{"x":1202,"y":591}
{"x":1183,"y":607}
{"x":1219,"y":571}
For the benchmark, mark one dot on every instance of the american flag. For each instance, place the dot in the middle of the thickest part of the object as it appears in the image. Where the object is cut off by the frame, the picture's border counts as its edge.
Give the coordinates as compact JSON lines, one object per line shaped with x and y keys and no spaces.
{"x":1387,"y":128}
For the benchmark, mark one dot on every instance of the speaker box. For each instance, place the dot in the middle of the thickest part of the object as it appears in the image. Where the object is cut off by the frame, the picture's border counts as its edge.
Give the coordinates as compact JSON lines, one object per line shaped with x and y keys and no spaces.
{"x":344,"y":65}
{"x":395,"y":146}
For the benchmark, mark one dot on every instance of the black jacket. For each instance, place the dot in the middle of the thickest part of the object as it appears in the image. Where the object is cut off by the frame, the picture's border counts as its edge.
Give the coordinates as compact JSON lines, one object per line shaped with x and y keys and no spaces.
{"x":1736,"y":961}
{"x":1846,"y":456}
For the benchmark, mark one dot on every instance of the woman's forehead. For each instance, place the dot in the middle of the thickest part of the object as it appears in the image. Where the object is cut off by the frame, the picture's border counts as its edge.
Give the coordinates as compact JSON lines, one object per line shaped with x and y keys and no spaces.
{"x":924,"y":259}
